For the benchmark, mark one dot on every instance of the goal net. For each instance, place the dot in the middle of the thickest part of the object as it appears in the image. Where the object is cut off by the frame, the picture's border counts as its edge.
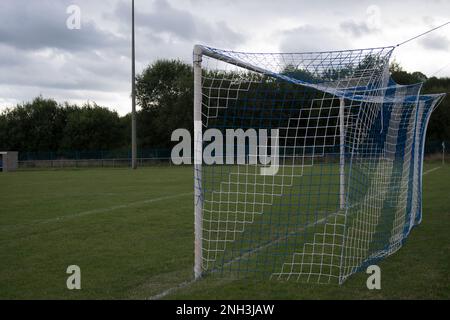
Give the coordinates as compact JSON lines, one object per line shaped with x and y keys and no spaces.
{"x":308,"y":166}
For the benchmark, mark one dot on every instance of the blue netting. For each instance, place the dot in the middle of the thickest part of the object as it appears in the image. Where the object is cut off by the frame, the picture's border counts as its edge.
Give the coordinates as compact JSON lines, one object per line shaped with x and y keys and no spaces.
{"x":348,"y":188}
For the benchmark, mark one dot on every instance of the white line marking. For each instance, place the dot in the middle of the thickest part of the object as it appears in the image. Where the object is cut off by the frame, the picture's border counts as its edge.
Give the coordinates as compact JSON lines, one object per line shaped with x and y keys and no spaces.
{"x":170,"y":290}
{"x":102,"y":210}
{"x":431,"y":170}
{"x":270,"y":243}
{"x":188,"y":283}
{"x":122,"y":206}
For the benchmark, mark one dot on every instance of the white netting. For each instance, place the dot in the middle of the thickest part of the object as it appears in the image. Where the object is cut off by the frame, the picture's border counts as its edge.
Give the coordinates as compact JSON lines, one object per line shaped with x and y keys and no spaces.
{"x":348,"y":148}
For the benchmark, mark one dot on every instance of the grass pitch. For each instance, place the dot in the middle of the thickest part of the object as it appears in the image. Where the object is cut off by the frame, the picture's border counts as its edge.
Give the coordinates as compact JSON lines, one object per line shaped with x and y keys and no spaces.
{"x":131,"y":233}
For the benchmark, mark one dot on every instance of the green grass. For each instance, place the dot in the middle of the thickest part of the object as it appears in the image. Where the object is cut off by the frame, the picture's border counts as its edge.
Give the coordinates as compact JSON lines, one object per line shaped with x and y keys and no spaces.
{"x":131,"y":233}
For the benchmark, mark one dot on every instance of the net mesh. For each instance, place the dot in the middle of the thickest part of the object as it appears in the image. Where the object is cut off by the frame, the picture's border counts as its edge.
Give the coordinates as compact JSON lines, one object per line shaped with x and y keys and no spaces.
{"x":348,"y":146}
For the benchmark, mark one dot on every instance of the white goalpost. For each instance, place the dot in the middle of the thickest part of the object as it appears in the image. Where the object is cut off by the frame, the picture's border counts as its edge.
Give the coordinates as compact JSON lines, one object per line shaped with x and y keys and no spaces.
{"x":306,"y":165}
{"x":198,"y":155}
{"x":342,"y":154}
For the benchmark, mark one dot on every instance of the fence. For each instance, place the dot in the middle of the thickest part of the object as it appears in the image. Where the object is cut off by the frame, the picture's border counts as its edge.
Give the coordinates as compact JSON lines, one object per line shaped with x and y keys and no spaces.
{"x":146,"y":157}
{"x":83,"y":159}
{"x":89,"y":155}
{"x":84,"y":163}
{"x":434,"y":150}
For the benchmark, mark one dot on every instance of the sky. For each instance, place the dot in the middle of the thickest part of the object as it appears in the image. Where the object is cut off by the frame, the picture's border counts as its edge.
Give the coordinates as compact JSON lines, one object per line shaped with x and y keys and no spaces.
{"x":43,"y":51}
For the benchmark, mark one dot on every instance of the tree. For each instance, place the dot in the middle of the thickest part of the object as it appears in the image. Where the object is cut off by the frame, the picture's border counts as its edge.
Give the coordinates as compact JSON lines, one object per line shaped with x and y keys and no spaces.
{"x":165,"y":92}
{"x":44,"y":125}
{"x":91,"y":128}
{"x":438,"y":128}
{"x":33,"y":126}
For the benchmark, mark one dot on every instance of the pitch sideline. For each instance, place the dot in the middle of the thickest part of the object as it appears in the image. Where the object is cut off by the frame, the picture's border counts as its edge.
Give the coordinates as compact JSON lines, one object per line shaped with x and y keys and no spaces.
{"x":101,"y":210}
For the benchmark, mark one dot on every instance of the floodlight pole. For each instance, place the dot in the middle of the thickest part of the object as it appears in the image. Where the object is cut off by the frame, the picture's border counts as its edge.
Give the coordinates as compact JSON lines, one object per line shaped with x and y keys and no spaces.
{"x":133,"y":94}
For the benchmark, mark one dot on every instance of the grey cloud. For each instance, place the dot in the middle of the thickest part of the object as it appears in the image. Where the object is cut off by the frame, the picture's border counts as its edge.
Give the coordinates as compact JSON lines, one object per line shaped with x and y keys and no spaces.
{"x":435,"y":42}
{"x":428,"y":20}
{"x":356,"y":29}
{"x":38,"y":54}
{"x":38,"y":51}
{"x":56,"y":68}
{"x":180,"y":24}
{"x":164,"y":19}
{"x":42,"y":24}
{"x":310,"y":38}
{"x":9,"y":56}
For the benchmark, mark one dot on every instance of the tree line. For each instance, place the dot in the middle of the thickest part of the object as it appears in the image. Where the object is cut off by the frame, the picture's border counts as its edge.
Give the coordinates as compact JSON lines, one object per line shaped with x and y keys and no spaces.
{"x":165,"y":96}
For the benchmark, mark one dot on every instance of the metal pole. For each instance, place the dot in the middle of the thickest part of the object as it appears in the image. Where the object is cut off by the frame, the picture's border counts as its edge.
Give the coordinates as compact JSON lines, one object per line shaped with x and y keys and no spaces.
{"x":133,"y":94}
{"x":198,"y":199}
{"x":443,"y":152}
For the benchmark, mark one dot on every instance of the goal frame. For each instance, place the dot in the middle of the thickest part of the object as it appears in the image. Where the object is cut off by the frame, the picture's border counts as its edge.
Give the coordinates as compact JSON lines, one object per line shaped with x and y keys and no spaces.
{"x":200,"y":52}
{"x":198,"y":159}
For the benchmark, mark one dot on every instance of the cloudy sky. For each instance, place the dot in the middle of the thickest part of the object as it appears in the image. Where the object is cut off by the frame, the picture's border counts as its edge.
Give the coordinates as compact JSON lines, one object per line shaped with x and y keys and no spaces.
{"x":40,"y":55}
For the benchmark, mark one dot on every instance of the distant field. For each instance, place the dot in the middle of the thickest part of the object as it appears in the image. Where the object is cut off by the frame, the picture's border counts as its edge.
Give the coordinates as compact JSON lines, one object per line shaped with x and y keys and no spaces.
{"x":131,"y":232}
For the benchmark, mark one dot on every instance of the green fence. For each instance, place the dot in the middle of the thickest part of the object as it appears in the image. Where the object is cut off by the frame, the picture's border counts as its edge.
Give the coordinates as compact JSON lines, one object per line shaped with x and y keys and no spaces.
{"x":433,"y":147}
{"x":90,"y":155}
{"x":80,"y":159}
{"x":146,"y":157}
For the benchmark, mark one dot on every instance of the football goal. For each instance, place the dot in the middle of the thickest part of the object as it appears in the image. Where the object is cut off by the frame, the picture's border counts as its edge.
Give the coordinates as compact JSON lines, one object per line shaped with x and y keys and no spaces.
{"x":307,"y":166}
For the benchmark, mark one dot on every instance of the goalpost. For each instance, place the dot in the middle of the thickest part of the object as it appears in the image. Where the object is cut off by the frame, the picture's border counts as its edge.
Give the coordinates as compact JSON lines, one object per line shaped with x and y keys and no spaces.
{"x":307,"y":166}
{"x":341,"y":154}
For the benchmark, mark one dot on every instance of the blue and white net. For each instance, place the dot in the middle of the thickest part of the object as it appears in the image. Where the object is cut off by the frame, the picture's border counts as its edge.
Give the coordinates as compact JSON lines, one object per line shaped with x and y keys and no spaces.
{"x":348,"y":143}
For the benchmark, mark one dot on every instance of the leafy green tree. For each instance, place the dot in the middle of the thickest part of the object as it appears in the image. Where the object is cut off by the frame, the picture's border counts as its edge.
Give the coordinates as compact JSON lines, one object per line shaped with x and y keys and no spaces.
{"x":91,"y":127}
{"x":43,"y":125}
{"x":439,"y":125}
{"x":33,"y":126}
{"x":165,"y":95}
{"x":165,"y":92}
